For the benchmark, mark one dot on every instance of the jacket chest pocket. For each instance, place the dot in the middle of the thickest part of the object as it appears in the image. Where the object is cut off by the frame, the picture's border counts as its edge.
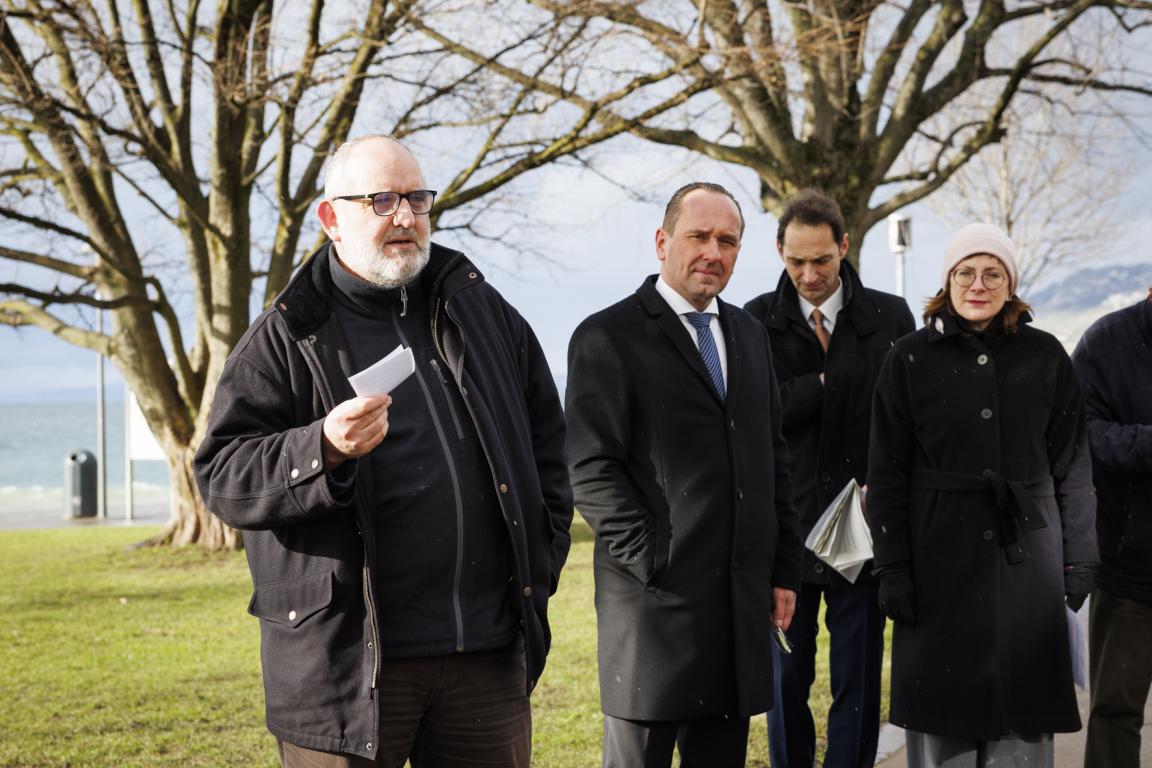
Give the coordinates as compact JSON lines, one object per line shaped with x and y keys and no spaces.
{"x":291,"y":602}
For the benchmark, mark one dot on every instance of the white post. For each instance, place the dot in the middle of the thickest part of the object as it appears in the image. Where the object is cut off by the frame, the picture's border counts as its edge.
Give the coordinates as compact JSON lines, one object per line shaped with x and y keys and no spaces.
{"x":899,"y":241}
{"x":101,"y":433}
{"x":129,"y":512}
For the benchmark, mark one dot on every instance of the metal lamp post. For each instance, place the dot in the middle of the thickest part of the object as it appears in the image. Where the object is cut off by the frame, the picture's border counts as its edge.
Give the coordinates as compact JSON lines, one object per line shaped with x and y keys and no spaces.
{"x":899,"y":241}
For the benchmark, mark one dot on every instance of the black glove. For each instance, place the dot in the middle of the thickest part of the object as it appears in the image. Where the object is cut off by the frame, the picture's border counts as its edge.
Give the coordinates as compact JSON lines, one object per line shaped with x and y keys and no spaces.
{"x":897,"y":598}
{"x":1079,"y":581}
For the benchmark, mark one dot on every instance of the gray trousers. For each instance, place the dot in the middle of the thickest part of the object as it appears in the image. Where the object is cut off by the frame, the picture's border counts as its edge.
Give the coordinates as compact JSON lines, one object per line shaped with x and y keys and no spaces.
{"x":926,"y":750}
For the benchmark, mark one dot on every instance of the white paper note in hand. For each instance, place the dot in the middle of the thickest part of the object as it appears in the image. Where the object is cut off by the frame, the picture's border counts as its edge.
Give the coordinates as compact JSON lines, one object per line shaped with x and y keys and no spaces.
{"x":385,"y":374}
{"x":841,"y":537}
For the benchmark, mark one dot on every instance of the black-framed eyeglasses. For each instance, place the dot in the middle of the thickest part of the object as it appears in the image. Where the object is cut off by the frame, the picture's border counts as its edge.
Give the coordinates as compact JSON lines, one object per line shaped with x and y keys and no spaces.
{"x":991,"y":278}
{"x":387,"y":203}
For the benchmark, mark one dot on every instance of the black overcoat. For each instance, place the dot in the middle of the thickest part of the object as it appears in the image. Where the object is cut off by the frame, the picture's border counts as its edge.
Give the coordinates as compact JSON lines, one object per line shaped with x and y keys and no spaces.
{"x":979,"y":477}
{"x":826,"y":424}
{"x":1114,"y":362}
{"x":691,"y":504}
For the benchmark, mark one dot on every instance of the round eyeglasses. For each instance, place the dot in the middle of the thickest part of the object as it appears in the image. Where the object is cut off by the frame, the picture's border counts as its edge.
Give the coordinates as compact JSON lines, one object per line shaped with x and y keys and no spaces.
{"x":990,"y":278}
{"x":387,"y":203}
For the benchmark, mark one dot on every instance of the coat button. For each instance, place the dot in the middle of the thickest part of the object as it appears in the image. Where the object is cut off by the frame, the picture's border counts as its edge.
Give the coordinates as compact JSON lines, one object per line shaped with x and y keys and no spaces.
{"x":740,"y":494}
{"x":369,"y":745}
{"x":527,"y":591}
{"x":291,"y":615}
{"x":819,"y":567}
{"x":982,"y":360}
{"x":315,"y":463}
{"x":987,"y":535}
{"x":295,"y":473}
{"x":503,"y":487}
{"x":986,"y":413}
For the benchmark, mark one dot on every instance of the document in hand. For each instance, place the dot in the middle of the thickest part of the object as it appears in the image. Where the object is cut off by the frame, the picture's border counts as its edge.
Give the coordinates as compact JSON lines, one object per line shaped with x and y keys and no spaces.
{"x":841,"y":537}
{"x":385,"y":374}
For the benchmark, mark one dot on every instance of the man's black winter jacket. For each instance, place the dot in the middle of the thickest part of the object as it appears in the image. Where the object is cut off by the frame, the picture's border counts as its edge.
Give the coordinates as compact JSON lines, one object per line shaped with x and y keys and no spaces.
{"x":1114,"y":363}
{"x":309,"y":533}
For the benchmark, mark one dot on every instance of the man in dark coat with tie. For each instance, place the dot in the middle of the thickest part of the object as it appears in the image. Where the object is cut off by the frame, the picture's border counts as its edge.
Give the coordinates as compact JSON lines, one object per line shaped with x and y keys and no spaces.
{"x":829,"y":337}
{"x":679,"y":466}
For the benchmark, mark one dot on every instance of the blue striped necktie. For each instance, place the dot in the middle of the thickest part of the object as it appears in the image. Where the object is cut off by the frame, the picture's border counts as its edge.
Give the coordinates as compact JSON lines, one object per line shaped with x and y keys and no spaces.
{"x":701,"y":322}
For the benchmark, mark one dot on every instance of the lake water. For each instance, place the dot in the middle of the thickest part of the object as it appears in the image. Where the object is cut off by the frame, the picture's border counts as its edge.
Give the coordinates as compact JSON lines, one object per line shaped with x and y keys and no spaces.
{"x":35,"y":440}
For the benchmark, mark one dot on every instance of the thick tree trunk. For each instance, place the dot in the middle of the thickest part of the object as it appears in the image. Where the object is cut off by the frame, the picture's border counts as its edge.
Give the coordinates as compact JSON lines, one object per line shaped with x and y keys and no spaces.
{"x":190,"y":521}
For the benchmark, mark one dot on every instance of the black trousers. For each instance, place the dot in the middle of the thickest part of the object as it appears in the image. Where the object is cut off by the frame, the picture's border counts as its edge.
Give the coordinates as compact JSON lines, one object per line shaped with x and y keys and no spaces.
{"x":856,"y":656}
{"x":456,"y":711}
{"x":717,"y":741}
{"x":1119,"y":675}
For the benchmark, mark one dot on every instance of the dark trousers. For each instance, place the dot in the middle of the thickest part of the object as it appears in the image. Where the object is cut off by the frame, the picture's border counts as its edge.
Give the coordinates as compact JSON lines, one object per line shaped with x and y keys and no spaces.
{"x":717,"y":741}
{"x":454,"y":711}
{"x":1119,"y":675}
{"x":856,"y":655}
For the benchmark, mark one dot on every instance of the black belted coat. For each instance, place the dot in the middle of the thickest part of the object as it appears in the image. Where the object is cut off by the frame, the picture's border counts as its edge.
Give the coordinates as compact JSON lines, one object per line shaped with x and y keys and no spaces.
{"x":979,"y":477}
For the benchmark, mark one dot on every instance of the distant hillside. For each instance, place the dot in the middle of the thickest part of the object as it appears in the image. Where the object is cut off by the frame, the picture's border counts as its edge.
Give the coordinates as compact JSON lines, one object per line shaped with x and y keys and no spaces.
{"x":1098,"y":288}
{"x":1067,"y":307}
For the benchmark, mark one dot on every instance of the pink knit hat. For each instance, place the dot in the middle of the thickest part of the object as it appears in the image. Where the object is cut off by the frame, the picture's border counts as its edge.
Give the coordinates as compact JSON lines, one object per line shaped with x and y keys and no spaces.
{"x":975,"y":239}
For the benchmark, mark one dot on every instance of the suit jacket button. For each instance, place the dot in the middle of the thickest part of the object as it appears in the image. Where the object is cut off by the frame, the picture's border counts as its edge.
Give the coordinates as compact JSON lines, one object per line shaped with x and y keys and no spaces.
{"x":527,"y":591}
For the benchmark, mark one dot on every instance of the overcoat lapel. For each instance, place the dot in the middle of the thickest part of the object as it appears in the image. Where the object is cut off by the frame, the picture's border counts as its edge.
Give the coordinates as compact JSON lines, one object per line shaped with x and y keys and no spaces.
{"x":673,"y":328}
{"x":732,"y":343}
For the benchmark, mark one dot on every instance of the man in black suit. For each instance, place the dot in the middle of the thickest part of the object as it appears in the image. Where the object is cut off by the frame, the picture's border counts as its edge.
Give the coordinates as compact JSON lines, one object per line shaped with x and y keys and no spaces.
{"x":679,"y":467}
{"x":830,"y":336}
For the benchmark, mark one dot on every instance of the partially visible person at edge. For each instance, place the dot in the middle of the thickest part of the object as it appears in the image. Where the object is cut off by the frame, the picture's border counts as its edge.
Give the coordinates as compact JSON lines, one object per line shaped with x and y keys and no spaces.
{"x":1114,"y":361}
{"x":982,"y":514}
{"x":829,"y":337}
{"x":680,"y":469}
{"x":403,"y":546}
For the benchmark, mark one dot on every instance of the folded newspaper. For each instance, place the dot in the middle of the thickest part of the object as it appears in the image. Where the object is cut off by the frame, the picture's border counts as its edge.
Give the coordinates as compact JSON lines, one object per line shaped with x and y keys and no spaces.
{"x":841,"y":537}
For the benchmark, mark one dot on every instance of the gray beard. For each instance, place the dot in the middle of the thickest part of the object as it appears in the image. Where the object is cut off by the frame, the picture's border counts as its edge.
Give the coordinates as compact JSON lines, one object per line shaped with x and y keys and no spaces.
{"x":387,"y":272}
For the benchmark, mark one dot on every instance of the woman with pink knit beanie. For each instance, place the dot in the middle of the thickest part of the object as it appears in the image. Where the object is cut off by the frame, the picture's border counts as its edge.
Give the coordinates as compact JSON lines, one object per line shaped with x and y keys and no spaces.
{"x":982,"y":515}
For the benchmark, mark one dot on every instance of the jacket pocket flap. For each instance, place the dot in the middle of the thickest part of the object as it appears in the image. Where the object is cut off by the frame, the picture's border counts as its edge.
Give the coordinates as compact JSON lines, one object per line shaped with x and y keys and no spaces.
{"x":291,"y":602}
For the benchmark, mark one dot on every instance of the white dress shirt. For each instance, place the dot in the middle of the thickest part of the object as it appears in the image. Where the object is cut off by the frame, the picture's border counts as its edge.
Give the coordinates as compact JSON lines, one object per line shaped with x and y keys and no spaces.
{"x":830,"y":308}
{"x":681,"y":307}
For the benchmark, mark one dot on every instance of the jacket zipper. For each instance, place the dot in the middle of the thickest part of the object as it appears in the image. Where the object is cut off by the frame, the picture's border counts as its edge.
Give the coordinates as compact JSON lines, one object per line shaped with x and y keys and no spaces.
{"x":510,"y":523}
{"x":457,"y":576}
{"x":451,"y":408}
{"x":370,"y":605}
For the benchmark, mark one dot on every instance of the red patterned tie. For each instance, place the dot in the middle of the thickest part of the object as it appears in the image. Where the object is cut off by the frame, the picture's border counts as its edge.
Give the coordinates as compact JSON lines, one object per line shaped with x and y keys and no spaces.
{"x":822,"y":334}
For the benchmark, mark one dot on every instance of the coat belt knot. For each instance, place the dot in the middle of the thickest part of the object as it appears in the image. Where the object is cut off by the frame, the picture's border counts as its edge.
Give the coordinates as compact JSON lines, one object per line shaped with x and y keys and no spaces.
{"x":1015,"y":501}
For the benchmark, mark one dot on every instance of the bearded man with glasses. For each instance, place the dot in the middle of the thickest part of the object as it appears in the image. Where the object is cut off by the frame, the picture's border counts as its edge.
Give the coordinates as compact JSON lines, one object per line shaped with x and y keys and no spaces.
{"x":403,"y":545}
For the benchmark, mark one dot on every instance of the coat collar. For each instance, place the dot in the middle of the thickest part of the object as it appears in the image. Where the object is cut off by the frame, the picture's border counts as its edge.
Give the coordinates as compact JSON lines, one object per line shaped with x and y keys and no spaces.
{"x":859,"y":310}
{"x":673,"y":329}
{"x":305,"y":303}
{"x":946,"y":325}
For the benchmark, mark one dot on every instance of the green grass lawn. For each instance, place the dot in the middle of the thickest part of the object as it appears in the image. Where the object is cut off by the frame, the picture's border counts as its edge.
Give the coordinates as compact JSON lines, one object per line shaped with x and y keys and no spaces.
{"x":112,"y":656}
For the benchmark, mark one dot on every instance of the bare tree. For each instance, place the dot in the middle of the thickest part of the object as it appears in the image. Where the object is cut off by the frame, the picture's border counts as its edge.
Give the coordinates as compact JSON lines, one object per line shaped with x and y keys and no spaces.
{"x":1049,"y":183}
{"x":158,"y":161}
{"x":857,"y":97}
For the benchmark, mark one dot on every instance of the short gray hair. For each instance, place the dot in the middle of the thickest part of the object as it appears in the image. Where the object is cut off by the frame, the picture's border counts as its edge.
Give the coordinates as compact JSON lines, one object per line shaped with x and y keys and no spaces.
{"x":339,"y":159}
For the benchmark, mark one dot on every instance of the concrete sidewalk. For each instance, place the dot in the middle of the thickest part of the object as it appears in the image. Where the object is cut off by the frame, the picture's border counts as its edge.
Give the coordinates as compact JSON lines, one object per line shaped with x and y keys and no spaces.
{"x":1069,"y":746}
